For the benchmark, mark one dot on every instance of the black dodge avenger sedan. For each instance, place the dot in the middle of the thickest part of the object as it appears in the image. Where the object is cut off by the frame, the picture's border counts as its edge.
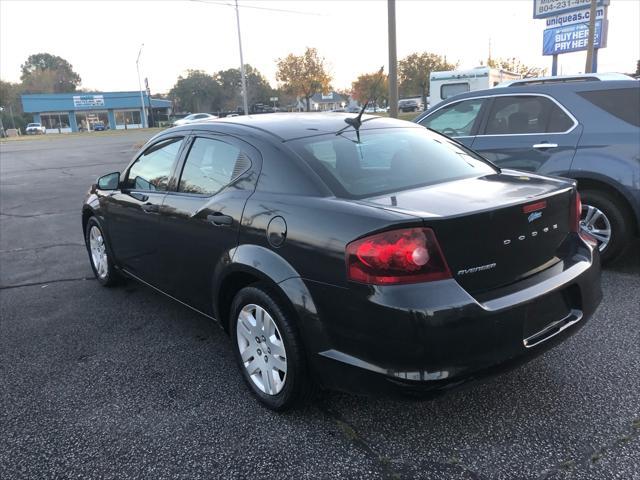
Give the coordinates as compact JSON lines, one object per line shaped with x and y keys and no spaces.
{"x":369,"y":257}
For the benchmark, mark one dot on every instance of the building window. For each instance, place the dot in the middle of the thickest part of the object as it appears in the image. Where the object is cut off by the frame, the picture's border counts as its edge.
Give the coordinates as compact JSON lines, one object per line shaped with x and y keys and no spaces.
{"x":128,"y":119}
{"x":55,"y":121}
{"x":88,"y":120}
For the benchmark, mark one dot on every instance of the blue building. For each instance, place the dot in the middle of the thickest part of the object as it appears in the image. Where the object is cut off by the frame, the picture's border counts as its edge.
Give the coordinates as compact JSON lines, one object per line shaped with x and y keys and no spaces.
{"x":72,"y":112}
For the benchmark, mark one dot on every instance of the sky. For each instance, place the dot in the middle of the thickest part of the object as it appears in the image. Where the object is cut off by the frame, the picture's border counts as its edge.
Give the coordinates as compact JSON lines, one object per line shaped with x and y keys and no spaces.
{"x":101,"y":39}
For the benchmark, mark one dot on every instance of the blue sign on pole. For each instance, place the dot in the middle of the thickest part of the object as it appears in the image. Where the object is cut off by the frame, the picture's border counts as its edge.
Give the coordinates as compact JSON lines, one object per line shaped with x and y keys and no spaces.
{"x":570,"y":38}
{"x":551,"y":8}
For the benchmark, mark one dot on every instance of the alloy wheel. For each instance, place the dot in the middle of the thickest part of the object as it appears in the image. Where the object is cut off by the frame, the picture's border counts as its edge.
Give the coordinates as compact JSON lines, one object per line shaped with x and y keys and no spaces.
{"x":595,"y":223}
{"x":261,"y":349}
{"x":98,"y":252}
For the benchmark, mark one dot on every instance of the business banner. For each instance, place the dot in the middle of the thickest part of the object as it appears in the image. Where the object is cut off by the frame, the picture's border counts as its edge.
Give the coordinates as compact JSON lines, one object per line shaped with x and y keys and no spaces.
{"x":572,"y":38}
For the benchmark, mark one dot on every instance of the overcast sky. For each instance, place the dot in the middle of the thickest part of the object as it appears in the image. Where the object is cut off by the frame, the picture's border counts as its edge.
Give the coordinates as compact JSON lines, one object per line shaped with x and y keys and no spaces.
{"x":101,"y":38}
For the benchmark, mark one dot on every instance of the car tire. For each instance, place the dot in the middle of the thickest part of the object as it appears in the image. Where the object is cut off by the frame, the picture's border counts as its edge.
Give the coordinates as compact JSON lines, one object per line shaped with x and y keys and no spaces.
{"x":100,"y":254}
{"x":599,"y":211}
{"x":265,"y":341}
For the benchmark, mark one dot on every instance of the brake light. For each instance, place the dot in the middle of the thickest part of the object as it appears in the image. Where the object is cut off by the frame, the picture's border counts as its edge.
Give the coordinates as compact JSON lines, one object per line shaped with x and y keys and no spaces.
{"x":532,"y":207}
{"x":576,"y":213}
{"x":409,"y":255}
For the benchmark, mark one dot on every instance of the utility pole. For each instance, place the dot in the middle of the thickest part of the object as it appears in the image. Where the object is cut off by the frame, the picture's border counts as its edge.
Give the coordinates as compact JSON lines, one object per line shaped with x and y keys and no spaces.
{"x":592,"y":30}
{"x":143,"y":114}
{"x":13,"y":122}
{"x":146,"y":86}
{"x":1,"y":125}
{"x":393,"y":60}
{"x":244,"y":80}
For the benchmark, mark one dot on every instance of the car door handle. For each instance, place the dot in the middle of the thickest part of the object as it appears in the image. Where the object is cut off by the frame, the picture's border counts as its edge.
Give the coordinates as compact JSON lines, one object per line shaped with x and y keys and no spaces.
{"x":150,"y":208}
{"x":219,"y":219}
{"x":545,"y":145}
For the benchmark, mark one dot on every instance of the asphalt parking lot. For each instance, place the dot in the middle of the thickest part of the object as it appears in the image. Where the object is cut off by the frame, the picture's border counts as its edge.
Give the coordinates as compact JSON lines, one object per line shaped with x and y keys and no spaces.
{"x":124,"y":383}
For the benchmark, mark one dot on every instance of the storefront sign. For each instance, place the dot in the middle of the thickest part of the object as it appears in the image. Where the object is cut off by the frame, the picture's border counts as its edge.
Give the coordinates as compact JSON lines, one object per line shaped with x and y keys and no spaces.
{"x":88,"y":100}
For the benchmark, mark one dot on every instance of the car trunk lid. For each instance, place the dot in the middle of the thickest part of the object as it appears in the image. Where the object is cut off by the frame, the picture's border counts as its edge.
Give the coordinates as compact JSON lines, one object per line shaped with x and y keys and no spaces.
{"x":494,"y":230}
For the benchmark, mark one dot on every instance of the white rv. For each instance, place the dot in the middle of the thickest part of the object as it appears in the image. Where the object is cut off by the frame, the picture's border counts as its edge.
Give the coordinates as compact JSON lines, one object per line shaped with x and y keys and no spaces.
{"x":443,"y":85}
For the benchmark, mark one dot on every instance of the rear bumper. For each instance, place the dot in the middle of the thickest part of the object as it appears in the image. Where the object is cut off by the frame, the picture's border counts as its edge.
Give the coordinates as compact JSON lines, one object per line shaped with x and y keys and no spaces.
{"x":428,"y":338}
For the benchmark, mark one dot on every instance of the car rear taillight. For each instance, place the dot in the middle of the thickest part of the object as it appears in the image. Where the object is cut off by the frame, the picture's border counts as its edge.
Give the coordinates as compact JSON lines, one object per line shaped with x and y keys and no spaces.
{"x":576,"y":213}
{"x":408,"y":255}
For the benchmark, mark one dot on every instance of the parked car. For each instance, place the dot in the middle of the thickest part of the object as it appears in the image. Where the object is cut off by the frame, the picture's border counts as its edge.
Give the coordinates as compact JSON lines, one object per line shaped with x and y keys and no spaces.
{"x":408,"y":105}
{"x":381,"y":260}
{"x":99,"y":127}
{"x":35,"y":129}
{"x":583,"y":127}
{"x":375,"y":109}
{"x":194,"y":118}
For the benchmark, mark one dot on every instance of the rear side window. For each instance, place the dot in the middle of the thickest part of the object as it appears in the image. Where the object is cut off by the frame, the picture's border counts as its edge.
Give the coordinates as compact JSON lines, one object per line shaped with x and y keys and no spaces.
{"x":623,"y":103}
{"x":387,"y":160}
{"x":517,"y":115}
{"x":454,"y":120}
{"x":152,"y":169}
{"x":210,"y":166}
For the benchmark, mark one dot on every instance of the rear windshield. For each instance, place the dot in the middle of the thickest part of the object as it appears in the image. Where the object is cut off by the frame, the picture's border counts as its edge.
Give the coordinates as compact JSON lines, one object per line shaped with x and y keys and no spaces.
{"x":623,"y":103}
{"x":387,"y":160}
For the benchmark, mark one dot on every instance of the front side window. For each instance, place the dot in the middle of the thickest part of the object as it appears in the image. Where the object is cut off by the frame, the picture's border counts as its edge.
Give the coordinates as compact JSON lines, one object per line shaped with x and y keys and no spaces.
{"x":152,"y":169}
{"x":517,"y":115}
{"x":387,"y":160}
{"x":210,"y":166}
{"x":456,"y":119}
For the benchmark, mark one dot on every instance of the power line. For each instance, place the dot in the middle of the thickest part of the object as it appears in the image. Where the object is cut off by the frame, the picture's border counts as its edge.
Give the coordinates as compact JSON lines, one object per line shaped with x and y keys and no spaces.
{"x":255,"y":7}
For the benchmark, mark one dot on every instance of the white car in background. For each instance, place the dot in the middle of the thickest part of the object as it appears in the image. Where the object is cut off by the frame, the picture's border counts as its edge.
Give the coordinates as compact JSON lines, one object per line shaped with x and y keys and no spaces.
{"x":194,"y":118}
{"x":35,"y":129}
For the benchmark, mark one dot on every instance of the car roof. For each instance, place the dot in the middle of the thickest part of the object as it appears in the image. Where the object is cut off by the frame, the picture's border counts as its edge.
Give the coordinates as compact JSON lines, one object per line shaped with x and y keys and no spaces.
{"x":288,"y":126}
{"x":544,"y":88}
{"x":581,"y":77}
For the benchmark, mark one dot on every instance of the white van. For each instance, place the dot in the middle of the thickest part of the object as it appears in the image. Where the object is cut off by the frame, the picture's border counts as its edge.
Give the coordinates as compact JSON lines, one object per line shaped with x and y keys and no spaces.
{"x":443,"y":85}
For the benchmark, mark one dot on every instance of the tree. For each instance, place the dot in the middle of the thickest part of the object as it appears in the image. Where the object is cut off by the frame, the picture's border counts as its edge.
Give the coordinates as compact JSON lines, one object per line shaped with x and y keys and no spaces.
{"x":369,"y":87}
{"x":197,"y":92}
{"x":514,"y":65}
{"x":46,"y":73}
{"x":303,"y":75}
{"x":637,"y":74}
{"x":10,"y":100}
{"x":414,"y":72}
{"x":230,"y":81}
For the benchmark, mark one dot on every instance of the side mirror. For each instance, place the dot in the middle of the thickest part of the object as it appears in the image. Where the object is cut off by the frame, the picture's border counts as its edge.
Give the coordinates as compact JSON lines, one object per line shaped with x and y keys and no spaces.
{"x":110,"y":181}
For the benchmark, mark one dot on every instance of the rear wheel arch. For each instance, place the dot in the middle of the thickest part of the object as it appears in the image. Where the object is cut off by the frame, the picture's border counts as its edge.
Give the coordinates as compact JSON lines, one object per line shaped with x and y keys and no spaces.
{"x":239,"y":277}
{"x":615,"y":195}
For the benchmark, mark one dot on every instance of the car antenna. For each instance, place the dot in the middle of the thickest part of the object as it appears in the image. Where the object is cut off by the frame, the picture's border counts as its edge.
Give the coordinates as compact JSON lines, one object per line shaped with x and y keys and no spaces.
{"x":356,"y":122}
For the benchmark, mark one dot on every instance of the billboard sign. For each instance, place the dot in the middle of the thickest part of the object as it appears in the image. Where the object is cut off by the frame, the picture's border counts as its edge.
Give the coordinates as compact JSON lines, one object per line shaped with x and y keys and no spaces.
{"x":88,"y":100}
{"x":571,"y":18}
{"x":572,"y":38}
{"x":551,"y":8}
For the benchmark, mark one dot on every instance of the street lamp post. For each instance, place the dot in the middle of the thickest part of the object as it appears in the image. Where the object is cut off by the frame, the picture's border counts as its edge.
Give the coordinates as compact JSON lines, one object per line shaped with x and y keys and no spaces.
{"x":143,"y":115}
{"x":244,"y":80}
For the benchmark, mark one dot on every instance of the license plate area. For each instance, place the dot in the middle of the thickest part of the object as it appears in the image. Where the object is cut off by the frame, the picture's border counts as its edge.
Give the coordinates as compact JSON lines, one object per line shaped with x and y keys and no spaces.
{"x":544,"y":312}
